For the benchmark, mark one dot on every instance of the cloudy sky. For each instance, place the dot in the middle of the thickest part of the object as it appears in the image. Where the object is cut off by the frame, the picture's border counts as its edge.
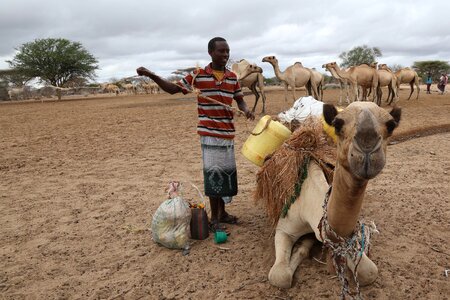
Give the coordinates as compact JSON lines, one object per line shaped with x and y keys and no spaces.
{"x":171,"y":34}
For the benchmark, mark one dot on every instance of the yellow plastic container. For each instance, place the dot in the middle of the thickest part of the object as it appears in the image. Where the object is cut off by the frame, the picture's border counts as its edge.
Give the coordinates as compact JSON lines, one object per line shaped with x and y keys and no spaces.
{"x":329,"y":130}
{"x":264,"y":141}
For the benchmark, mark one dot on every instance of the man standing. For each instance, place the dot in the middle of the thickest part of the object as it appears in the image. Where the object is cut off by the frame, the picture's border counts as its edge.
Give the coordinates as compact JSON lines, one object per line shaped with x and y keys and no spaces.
{"x":442,"y":83}
{"x":215,"y":125}
{"x":429,"y":82}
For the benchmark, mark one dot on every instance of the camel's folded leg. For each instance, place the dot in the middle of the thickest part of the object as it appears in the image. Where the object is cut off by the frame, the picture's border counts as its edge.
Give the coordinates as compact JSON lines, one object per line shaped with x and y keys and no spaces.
{"x":280,"y":274}
{"x":301,"y":252}
{"x":287,"y":261}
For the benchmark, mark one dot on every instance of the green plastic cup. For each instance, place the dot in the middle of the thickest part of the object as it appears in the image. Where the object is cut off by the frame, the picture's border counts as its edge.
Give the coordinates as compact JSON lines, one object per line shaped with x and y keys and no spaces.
{"x":220,"y":237}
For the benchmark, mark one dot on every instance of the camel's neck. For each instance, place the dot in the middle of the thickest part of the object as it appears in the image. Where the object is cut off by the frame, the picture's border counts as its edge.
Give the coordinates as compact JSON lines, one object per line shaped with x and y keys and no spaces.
{"x":334,"y":74}
{"x":345,"y":201}
{"x":342,"y":74}
{"x":278,"y":73}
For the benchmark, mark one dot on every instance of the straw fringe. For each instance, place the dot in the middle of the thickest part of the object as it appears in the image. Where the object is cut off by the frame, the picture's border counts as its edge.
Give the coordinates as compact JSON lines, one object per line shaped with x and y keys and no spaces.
{"x":277,"y":177}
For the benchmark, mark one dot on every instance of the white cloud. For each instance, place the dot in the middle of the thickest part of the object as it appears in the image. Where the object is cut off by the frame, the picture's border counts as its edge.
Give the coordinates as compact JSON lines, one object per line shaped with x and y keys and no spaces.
{"x":166,"y":35}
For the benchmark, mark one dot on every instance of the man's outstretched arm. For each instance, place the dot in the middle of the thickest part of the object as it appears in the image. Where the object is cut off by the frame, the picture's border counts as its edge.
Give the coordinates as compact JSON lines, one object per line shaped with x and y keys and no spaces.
{"x":166,"y":85}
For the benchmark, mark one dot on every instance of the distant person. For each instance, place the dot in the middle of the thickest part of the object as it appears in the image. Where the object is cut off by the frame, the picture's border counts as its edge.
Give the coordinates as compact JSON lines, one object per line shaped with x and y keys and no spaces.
{"x":215,"y":125}
{"x":429,"y":81}
{"x":442,"y":83}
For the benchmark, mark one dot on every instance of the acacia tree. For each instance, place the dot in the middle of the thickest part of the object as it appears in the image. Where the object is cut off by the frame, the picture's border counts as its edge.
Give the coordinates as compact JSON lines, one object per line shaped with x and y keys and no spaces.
{"x":54,"y":61}
{"x":359,"y":55}
{"x":396,"y":67}
{"x":435,"y":67}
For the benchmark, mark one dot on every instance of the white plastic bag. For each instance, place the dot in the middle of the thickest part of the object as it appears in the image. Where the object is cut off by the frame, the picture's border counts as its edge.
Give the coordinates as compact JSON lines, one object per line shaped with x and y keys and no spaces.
{"x":170,"y":223}
{"x":302,"y":109}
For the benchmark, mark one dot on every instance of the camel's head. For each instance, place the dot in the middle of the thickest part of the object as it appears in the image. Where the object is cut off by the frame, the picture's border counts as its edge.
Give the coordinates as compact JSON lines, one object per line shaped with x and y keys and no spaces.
{"x":363,"y":129}
{"x":374,"y":65}
{"x":383,"y":67}
{"x":250,"y":69}
{"x":329,"y":65}
{"x":270,"y":59}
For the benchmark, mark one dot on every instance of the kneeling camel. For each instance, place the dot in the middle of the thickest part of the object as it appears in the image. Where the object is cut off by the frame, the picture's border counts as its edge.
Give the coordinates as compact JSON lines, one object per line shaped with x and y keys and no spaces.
{"x":330,"y":211}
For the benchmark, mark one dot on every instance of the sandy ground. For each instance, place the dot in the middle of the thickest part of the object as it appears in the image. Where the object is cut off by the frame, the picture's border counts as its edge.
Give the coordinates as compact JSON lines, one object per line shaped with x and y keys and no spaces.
{"x":80,"y":180}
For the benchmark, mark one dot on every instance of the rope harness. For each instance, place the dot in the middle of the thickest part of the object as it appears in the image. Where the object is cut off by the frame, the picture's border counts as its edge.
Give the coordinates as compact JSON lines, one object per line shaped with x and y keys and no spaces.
{"x":342,"y":248}
{"x":302,"y":174}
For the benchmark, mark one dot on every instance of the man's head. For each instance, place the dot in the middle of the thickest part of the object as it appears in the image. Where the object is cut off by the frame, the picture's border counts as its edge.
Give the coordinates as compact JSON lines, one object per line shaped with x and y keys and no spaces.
{"x":219,"y":51}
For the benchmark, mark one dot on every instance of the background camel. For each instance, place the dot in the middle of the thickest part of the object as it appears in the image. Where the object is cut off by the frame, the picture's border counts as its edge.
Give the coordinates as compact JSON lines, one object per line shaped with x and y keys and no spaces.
{"x":362,"y":75}
{"x":112,"y":88}
{"x":129,"y":88}
{"x":387,"y":78}
{"x":318,"y":79}
{"x":294,"y":76}
{"x":150,"y":87}
{"x":343,"y":83}
{"x":408,"y":75}
{"x":250,"y":79}
{"x":363,"y":129}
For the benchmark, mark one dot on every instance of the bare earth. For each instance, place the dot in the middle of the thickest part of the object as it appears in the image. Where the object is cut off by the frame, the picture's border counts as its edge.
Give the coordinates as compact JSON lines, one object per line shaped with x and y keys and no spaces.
{"x":80,"y":180}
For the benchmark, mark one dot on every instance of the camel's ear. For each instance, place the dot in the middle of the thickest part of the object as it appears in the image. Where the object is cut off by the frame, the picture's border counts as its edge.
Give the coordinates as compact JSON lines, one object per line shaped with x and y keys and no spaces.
{"x":396,"y":113}
{"x":329,"y":112}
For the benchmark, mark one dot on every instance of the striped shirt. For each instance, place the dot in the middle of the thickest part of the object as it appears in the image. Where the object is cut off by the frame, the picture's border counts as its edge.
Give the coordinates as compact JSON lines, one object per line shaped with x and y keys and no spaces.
{"x":214,"y":119}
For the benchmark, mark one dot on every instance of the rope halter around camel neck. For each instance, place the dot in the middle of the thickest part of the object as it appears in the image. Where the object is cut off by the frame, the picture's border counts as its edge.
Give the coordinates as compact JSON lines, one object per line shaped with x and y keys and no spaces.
{"x":343,"y":248}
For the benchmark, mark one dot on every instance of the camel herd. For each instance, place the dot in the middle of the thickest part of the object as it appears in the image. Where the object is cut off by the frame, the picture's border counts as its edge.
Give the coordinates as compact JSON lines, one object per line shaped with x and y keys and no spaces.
{"x":367,"y":78}
{"x":356,"y":83}
{"x":49,"y":91}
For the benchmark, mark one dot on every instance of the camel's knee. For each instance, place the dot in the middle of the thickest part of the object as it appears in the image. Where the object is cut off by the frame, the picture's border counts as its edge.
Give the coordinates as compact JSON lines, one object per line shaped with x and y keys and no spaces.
{"x":301,"y":252}
{"x":280,"y":275}
{"x":367,"y":270}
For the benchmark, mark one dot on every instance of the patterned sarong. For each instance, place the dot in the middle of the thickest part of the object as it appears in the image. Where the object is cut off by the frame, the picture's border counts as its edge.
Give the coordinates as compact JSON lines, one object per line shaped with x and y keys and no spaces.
{"x":219,"y":167}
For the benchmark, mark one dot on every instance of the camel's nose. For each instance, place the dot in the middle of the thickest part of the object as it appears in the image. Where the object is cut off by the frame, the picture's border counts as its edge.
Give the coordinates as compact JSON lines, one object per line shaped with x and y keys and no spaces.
{"x":367,"y":137}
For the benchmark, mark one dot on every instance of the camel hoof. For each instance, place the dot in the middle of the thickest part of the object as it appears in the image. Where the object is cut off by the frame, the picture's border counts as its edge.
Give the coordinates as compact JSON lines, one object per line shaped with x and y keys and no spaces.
{"x":280,"y":276}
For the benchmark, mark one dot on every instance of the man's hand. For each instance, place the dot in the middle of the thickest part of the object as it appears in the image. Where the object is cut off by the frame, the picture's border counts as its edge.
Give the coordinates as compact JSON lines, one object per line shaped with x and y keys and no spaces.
{"x":249,"y":115}
{"x":141,"y":71}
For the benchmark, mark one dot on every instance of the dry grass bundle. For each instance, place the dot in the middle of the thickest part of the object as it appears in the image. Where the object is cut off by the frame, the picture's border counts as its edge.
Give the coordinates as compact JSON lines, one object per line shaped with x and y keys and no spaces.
{"x":281,"y":171}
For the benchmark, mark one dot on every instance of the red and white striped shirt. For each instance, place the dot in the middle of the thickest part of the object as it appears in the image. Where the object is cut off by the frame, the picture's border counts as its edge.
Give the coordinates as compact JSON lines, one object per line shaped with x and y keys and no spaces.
{"x":214,"y":119}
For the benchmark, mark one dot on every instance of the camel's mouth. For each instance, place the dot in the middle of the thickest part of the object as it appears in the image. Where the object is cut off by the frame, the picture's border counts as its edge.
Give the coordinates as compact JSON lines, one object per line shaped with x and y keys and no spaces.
{"x":365,"y":162}
{"x":366,"y":165}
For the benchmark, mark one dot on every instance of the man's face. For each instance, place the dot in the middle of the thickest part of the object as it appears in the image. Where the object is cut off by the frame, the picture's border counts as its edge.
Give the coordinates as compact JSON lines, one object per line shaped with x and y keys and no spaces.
{"x":220,"y":54}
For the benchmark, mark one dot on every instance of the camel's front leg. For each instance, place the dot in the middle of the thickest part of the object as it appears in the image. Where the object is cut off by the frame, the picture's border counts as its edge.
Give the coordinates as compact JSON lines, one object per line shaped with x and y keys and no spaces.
{"x":347,"y":92}
{"x":301,"y":252}
{"x":285,"y":91}
{"x":292,"y":84}
{"x":280,"y":274}
{"x":418,"y":88}
{"x":341,"y":92}
{"x":356,"y":91}
{"x":315,"y":90}
{"x":367,"y":270}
